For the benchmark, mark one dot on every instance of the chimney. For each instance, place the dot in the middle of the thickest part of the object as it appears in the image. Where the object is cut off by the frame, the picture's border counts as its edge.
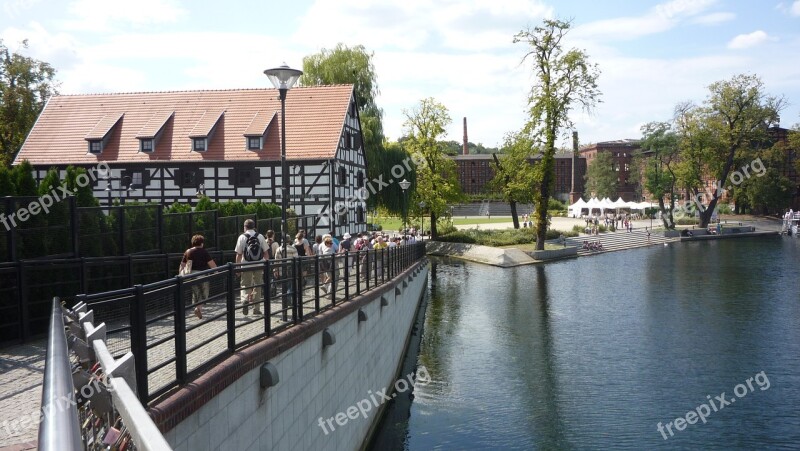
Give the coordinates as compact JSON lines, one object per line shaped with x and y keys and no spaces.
{"x":466,"y":141}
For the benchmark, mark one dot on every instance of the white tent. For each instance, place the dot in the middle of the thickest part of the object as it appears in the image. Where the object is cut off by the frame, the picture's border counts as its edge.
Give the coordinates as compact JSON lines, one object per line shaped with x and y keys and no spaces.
{"x":606,"y":204}
{"x":593,"y":204}
{"x":619,"y":203}
{"x":575,"y":209}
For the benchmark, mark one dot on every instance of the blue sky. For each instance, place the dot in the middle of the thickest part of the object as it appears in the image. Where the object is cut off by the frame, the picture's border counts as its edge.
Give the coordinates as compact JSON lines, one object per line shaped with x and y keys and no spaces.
{"x":652,"y":54}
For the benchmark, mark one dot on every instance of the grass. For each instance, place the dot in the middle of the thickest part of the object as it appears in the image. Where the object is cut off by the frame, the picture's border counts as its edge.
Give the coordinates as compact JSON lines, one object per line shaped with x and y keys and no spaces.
{"x":395,"y":223}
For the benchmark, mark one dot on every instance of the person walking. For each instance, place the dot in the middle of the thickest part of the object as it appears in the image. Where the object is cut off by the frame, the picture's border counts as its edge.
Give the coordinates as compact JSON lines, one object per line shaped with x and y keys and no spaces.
{"x":197,"y":259}
{"x":251,"y":247}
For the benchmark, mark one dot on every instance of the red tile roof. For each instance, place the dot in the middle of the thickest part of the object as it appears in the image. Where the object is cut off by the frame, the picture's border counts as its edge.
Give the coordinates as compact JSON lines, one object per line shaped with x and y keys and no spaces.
{"x":314,"y":120}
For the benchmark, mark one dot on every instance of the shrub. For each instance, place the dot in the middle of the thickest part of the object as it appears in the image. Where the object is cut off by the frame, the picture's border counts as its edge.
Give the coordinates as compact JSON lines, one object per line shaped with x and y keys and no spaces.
{"x":457,"y":237}
{"x":724,"y":209}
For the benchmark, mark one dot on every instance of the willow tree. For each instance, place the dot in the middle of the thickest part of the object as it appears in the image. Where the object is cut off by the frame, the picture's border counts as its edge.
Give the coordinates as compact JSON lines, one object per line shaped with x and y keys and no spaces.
{"x":436,"y":179}
{"x":564,"y":78}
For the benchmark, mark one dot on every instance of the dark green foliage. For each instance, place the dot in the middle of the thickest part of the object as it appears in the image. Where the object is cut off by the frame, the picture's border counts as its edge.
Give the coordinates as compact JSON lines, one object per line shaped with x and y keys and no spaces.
{"x":7,"y":185}
{"x":23,"y":179}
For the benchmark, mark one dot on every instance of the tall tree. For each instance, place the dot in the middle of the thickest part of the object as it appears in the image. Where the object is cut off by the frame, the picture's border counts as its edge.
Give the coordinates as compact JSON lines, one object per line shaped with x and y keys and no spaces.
{"x":737,"y":113}
{"x":660,"y":151}
{"x":436,"y":181}
{"x":25,"y":86}
{"x":563,"y":79}
{"x":23,"y":179}
{"x":514,"y":176}
{"x":601,"y":176}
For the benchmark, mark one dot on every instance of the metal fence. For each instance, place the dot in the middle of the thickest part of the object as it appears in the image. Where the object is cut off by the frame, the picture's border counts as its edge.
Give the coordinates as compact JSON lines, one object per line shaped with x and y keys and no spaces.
{"x":239,"y":304}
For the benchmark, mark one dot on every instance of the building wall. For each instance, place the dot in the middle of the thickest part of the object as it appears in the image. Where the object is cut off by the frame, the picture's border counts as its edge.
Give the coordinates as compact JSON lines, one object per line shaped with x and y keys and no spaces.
{"x":314,"y":382}
{"x":622,"y":153}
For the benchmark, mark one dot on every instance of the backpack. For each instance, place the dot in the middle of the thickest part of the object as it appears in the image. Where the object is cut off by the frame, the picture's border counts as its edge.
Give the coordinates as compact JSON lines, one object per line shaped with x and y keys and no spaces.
{"x":270,"y":252}
{"x":252,"y":248}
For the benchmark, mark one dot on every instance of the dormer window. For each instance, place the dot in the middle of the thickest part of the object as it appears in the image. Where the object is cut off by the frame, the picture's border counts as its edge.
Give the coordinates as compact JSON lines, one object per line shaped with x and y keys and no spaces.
{"x":146,"y":145}
{"x":199,"y":144}
{"x":96,"y":146}
{"x":255,"y":142}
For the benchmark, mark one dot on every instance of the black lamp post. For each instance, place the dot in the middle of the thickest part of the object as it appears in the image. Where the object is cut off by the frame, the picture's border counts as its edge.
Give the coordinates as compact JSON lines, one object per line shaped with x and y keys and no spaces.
{"x":404,"y":185}
{"x":283,"y":78}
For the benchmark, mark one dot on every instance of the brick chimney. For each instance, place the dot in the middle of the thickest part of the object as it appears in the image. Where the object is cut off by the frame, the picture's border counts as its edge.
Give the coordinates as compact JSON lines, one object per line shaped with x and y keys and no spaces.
{"x":466,"y":141}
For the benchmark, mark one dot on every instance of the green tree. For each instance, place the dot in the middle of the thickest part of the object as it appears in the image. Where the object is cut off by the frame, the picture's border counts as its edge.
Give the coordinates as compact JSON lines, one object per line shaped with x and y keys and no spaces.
{"x":563,"y":79}
{"x":660,"y":150}
{"x":23,"y":179}
{"x":514,"y":176}
{"x":737,"y":114}
{"x":25,"y":86}
{"x":767,"y":190}
{"x":7,"y":186}
{"x":601,"y":176}
{"x":436,"y":180}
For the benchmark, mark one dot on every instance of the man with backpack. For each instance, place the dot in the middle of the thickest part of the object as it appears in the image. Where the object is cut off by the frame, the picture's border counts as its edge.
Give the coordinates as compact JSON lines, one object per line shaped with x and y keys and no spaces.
{"x":251,"y":247}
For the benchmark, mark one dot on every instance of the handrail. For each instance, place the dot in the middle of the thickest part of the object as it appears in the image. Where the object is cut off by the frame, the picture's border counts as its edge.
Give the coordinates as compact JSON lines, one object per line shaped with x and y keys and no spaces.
{"x":59,"y":429}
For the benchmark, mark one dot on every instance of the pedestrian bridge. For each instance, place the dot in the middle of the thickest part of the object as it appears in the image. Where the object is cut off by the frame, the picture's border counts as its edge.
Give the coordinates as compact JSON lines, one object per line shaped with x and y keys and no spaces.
{"x":235,"y":379}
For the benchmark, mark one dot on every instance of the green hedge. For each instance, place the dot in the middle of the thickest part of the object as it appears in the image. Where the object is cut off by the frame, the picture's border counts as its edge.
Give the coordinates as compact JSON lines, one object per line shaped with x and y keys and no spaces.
{"x":496,"y":238}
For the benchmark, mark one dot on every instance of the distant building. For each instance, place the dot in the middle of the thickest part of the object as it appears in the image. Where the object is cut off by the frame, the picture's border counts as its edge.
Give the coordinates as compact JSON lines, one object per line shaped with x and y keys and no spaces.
{"x":475,"y":171}
{"x":622,"y":151}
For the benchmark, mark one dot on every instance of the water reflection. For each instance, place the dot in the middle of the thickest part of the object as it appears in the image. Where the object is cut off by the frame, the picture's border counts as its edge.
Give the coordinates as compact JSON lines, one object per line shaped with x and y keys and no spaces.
{"x":594,"y":352}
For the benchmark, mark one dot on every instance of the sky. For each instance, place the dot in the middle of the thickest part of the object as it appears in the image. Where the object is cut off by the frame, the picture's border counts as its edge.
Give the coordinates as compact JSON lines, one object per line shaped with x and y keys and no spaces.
{"x":652,"y":55}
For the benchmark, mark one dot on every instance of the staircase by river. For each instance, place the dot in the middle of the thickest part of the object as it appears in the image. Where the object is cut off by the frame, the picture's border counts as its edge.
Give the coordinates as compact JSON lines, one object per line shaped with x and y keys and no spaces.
{"x":617,"y":241}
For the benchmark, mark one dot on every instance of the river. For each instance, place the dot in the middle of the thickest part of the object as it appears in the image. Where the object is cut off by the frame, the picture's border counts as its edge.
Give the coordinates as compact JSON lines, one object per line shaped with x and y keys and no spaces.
{"x":595,"y":352}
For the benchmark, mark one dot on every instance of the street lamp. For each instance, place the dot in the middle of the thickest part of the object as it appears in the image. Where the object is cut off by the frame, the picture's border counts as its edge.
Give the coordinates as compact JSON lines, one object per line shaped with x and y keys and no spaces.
{"x":283,"y":78}
{"x":404,"y":185}
{"x":422,"y":227}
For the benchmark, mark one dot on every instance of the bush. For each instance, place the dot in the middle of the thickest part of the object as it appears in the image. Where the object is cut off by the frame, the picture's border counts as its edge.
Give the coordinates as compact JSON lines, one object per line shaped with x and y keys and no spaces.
{"x":458,"y":237}
{"x":724,"y":209}
{"x":444,"y":228}
{"x":686,"y":221}
{"x":496,"y":238}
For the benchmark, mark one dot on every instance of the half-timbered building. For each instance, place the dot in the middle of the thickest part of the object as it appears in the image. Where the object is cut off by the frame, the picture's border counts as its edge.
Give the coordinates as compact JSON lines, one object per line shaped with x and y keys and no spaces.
{"x":172,"y":146}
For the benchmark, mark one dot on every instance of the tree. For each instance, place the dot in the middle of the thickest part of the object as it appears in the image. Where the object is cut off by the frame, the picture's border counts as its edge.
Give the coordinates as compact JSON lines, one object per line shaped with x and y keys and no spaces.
{"x":660,"y":151}
{"x":563,"y":78}
{"x":601,"y":176}
{"x":23,"y":179}
{"x":737,"y":114}
{"x":514,"y":175}
{"x":7,"y":186}
{"x":436,"y":180}
{"x":25,"y":86}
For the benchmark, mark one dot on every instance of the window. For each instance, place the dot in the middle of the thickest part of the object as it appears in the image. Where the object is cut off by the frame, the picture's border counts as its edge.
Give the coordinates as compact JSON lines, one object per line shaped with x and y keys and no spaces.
{"x":360,"y":214}
{"x":95,"y":146}
{"x":244,"y":178}
{"x":187,"y":178}
{"x":199,"y":144}
{"x":254,"y":143}
{"x":627,"y":167}
{"x":342,"y":176}
{"x":146,"y":145}
{"x":360,"y":180}
{"x":343,"y":218}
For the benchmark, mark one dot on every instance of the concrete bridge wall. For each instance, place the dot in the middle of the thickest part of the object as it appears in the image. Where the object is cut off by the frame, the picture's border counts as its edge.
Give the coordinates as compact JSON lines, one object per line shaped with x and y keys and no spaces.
{"x":226,"y":408}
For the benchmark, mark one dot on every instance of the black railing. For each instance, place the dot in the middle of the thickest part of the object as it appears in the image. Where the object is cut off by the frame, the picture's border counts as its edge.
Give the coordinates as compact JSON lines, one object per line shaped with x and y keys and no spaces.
{"x":59,"y":429}
{"x":171,"y":345}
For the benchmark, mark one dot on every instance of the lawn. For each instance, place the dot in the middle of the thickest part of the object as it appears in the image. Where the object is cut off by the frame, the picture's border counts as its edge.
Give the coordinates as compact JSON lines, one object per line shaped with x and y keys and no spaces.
{"x":394,"y":223}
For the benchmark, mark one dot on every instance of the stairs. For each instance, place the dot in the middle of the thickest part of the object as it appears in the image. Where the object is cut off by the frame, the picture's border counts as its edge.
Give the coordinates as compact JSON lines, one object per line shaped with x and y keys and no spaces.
{"x":617,"y":241}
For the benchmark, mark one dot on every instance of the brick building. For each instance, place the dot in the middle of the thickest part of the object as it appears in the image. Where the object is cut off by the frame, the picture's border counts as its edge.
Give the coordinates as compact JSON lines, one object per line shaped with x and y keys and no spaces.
{"x":622,"y":151}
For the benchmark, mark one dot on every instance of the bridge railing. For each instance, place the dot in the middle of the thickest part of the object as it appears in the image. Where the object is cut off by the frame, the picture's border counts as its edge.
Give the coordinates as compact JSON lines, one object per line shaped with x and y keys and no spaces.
{"x":178,"y":328}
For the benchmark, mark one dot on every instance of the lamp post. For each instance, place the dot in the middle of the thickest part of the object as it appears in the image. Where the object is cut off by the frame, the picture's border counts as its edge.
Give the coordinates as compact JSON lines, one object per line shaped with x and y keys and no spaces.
{"x":422,"y":227}
{"x":404,"y":184}
{"x":283,"y":78}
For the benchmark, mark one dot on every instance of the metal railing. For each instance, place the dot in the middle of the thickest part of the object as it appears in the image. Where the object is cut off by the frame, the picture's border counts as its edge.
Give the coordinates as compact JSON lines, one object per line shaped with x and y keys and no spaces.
{"x":59,"y":429}
{"x":239,"y":304}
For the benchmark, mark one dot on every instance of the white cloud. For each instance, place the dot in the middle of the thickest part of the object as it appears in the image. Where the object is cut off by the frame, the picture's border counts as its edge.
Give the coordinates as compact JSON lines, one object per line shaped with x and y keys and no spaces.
{"x":714,"y":18}
{"x":660,"y":18}
{"x":746,"y":41}
{"x":98,"y":15}
{"x":795,"y":9}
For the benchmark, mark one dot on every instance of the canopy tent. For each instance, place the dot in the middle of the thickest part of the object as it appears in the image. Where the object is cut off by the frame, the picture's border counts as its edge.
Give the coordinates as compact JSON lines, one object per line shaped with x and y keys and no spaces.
{"x":619,"y":203}
{"x":575,"y":209}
